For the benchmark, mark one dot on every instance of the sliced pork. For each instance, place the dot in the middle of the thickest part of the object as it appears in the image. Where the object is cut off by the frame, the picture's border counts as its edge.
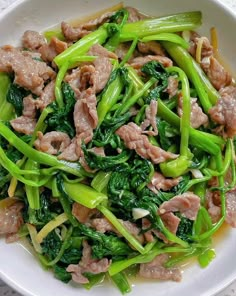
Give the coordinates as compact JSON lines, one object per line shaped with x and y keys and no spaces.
{"x":172,"y":88}
{"x":216,"y":73}
{"x":47,"y":96}
{"x":29,"y":73}
{"x":197,"y":116}
{"x":32,"y":40}
{"x":74,"y":33}
{"x":50,"y":50}
{"x":187,"y":204}
{"x":139,"y":62}
{"x":231,"y":208}
{"x":133,"y":138}
{"x":151,"y":47}
{"x":134,"y":15}
{"x":52,"y":142}
{"x":87,"y":264}
{"x":206,"y":47}
{"x":26,"y":123}
{"x":11,"y":218}
{"x":100,"y":51}
{"x":159,"y":182}
{"x":150,"y":120}
{"x":224,"y":112}
{"x":156,"y":270}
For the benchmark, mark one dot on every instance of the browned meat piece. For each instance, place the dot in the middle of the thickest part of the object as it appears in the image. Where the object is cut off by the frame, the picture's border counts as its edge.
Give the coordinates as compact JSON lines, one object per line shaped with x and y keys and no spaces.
{"x":197,"y":117}
{"x":103,"y":71}
{"x":98,"y":151}
{"x":187,"y":204}
{"x":103,"y":225}
{"x":213,"y":205}
{"x":231,"y":208}
{"x":156,"y":270}
{"x":100,"y":51}
{"x":224,"y":112}
{"x":172,"y":88}
{"x":131,"y":134}
{"x":80,"y":79}
{"x":87,"y":264}
{"x":82,"y":213}
{"x":52,"y":142}
{"x":159,"y":182}
{"x":50,"y":51}
{"x":150,"y":120}
{"x":139,"y":62}
{"x":85,"y":118}
{"x":151,"y":47}
{"x":207,"y":49}
{"x":26,"y":123}
{"x":122,"y":50}
{"x":69,"y":153}
{"x":32,"y":40}
{"x":47,"y":96}
{"x":216,"y":73}
{"x":11,"y":218}
{"x":73,"y":34}
{"x":29,"y":73}
{"x":134,"y":15}
{"x":170,"y":221}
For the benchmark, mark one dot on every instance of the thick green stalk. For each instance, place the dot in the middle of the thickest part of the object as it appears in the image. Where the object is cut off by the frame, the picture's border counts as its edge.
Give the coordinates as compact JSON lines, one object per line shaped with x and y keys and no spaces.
{"x":122,"y":230}
{"x":32,"y":193}
{"x":206,"y":93}
{"x":171,"y":37}
{"x":40,"y":157}
{"x":7,"y":109}
{"x":83,"y":194}
{"x":100,"y":181}
{"x":118,"y":266}
{"x":121,"y":282}
{"x":82,"y":46}
{"x":131,"y":101}
{"x":166,"y":24}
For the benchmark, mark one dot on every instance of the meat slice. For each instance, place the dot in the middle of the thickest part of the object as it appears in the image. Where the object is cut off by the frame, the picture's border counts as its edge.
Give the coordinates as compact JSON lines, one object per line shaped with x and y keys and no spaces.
{"x":151,"y":47}
{"x":224,"y":112}
{"x":85,"y":118}
{"x":87,"y":264}
{"x":187,"y":204}
{"x":206,"y":48}
{"x":29,"y":73}
{"x":156,"y":270}
{"x":134,"y":14}
{"x":69,"y":152}
{"x":170,"y":221}
{"x":159,"y":182}
{"x":11,"y":218}
{"x":103,"y":69}
{"x":32,"y":40}
{"x":26,"y":123}
{"x":133,"y":138}
{"x":47,"y":96}
{"x":197,"y":116}
{"x":103,"y":225}
{"x":52,"y":142}
{"x":150,"y":120}
{"x":172,"y":88}
{"x":50,"y":50}
{"x":231,"y":208}
{"x":216,"y":73}
{"x":81,"y":79}
{"x":75,"y":33}
{"x":213,"y":205}
{"x":82,"y":213}
{"x":139,"y":62}
{"x":100,"y":51}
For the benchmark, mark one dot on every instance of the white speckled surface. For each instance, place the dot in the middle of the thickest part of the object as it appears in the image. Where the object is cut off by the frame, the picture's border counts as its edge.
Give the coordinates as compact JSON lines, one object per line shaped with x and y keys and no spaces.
{"x":6,"y":290}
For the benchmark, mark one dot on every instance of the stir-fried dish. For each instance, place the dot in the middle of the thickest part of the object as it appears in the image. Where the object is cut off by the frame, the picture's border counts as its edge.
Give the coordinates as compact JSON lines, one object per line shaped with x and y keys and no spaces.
{"x":117,"y":154}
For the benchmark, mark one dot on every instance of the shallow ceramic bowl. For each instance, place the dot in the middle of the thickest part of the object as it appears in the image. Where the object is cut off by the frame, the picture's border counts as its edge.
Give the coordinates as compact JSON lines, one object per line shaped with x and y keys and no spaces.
{"x":18,"y":267}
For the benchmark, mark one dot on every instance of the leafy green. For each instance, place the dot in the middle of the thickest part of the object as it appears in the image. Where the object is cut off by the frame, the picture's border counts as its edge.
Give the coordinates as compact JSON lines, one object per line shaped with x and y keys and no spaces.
{"x":61,"y":119}
{"x":156,"y":70}
{"x":61,"y":273}
{"x":185,"y":228}
{"x":15,"y":96}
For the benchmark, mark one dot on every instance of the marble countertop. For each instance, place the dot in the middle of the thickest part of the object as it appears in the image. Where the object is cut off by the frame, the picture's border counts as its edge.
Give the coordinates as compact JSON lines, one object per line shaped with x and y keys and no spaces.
{"x":5,"y":290}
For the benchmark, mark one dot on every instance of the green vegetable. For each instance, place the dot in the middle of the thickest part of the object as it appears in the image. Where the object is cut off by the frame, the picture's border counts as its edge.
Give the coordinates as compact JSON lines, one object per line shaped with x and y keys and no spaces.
{"x":15,"y":96}
{"x":7,"y":109}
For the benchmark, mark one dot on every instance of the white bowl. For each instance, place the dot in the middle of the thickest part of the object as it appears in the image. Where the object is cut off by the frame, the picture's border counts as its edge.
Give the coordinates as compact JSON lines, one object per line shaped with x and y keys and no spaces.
{"x":18,"y":267}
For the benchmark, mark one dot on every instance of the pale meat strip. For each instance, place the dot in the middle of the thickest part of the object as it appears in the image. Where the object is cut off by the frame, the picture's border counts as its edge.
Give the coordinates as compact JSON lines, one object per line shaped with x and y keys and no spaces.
{"x":133,"y":138}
